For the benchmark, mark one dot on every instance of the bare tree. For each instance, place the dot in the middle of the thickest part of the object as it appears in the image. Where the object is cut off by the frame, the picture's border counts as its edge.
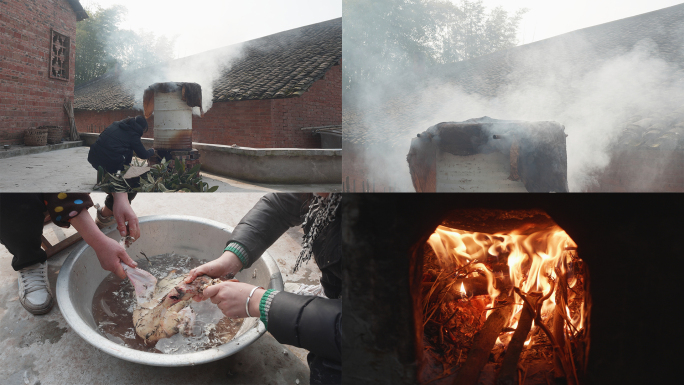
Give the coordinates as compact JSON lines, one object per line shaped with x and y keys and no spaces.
{"x":101,"y":45}
{"x":384,"y":39}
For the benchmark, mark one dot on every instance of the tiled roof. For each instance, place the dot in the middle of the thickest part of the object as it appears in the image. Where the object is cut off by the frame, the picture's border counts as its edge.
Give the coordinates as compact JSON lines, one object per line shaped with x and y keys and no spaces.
{"x":664,"y":132}
{"x":282,"y":65}
{"x":567,"y":55}
{"x":78,"y":9}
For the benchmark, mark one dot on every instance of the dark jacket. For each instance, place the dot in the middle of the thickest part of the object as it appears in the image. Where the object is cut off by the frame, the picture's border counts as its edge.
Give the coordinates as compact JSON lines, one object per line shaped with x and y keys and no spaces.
{"x":115,"y":145}
{"x":312,"y":323}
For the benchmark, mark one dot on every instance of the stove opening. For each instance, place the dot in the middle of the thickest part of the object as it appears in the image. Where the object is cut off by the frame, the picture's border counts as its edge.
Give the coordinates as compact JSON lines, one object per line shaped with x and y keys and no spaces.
{"x":504,"y":297}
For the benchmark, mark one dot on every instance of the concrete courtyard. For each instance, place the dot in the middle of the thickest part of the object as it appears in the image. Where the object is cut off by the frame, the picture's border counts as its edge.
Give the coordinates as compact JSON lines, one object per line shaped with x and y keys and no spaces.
{"x":45,"y":350}
{"x":69,"y":170}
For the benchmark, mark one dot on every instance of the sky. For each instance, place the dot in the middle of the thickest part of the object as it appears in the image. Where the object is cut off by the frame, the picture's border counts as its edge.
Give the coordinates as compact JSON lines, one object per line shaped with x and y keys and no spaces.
{"x":202,"y":25}
{"x":548,"y":18}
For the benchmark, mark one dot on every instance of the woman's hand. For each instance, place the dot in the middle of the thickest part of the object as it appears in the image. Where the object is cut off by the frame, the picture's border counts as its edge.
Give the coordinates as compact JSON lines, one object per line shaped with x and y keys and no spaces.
{"x":231,"y":298}
{"x":123,"y":212}
{"x":227,"y":263}
{"x":110,"y":253}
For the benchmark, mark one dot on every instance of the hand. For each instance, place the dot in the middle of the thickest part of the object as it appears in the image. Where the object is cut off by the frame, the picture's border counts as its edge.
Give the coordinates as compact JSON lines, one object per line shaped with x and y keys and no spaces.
{"x":231,"y":297}
{"x":227,"y":263}
{"x":123,"y":212}
{"x":110,"y":253}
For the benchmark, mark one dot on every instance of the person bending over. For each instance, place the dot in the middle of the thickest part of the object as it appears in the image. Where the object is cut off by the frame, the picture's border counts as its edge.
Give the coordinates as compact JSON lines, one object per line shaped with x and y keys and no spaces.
{"x":115,"y":146}
{"x":309,"y":322}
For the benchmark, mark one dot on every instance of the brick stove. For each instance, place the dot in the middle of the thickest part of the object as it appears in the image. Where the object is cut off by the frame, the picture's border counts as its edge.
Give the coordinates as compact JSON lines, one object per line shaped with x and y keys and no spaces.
{"x":172,"y":104}
{"x":629,"y":245}
{"x":490,"y":155}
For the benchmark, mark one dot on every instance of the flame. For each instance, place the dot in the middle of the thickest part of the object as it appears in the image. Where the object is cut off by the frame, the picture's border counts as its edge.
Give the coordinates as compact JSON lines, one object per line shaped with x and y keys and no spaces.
{"x":531,"y":260}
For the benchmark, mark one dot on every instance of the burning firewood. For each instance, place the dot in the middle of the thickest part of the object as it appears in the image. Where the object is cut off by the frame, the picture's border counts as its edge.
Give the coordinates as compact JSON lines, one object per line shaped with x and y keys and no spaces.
{"x":483,"y":343}
{"x":509,"y":367}
{"x":558,"y":352}
{"x":559,"y":323}
{"x":467,"y":275}
{"x":559,"y":335}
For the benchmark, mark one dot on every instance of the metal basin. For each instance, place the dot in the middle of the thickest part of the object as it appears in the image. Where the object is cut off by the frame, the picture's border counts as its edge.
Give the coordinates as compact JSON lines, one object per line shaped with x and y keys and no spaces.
{"x":81,"y":274}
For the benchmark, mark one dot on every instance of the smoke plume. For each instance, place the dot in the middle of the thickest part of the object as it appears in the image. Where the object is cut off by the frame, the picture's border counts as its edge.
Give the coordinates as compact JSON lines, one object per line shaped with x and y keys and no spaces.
{"x":594,"y":93}
{"x":204,"y":69}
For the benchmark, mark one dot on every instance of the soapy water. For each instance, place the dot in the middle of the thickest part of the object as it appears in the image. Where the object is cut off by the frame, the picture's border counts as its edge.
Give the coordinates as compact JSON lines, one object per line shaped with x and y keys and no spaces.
{"x":114,"y":302}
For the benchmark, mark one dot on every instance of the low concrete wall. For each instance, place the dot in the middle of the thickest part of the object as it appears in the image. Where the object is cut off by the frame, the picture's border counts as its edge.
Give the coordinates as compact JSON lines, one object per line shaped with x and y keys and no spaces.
{"x":18,"y":150}
{"x":89,"y":139}
{"x":263,"y":165}
{"x":272,"y":165}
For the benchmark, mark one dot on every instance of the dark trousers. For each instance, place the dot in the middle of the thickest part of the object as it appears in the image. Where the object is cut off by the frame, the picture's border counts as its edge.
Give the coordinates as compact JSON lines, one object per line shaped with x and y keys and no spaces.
{"x":323,"y":371}
{"x":109,"y":201}
{"x":21,"y":226}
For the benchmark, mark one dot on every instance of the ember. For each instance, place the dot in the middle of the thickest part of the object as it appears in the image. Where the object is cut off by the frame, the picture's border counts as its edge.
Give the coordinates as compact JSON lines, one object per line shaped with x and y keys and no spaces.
{"x":503,"y":308}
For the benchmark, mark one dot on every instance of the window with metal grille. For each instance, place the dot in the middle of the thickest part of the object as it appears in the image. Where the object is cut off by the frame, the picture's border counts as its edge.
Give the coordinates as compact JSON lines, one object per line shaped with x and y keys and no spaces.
{"x":59,"y":55}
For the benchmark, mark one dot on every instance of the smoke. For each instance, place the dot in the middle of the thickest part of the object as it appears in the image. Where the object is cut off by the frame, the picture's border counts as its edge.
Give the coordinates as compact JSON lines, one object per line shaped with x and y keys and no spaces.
{"x":593,"y":92}
{"x":204,"y":69}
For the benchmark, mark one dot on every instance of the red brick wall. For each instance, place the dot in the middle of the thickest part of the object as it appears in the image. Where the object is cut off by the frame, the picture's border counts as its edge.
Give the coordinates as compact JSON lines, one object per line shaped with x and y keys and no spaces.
{"x":320,"y":106}
{"x":642,"y":170}
{"x":245,"y":123}
{"x":28,"y":97}
{"x":273,"y":123}
{"x":97,"y":121}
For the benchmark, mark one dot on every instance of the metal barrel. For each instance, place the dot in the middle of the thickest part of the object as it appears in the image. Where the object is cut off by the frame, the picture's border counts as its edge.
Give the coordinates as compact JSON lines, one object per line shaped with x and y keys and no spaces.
{"x":172,"y":122}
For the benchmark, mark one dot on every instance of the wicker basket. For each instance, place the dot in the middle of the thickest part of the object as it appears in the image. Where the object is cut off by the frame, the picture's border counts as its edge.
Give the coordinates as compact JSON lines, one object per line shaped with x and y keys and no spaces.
{"x":54,"y":134}
{"x":36,"y":137}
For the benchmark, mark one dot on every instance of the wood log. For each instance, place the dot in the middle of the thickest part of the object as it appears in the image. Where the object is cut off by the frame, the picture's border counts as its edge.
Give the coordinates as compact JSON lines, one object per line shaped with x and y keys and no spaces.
{"x":483,"y":342}
{"x":558,"y":334}
{"x":556,"y":349}
{"x":73,"y":132}
{"x":509,"y":367}
{"x":560,"y":318}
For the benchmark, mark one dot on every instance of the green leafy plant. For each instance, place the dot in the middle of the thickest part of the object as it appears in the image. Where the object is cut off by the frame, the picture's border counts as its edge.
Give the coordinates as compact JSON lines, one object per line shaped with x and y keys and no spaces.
{"x":160,"y":178}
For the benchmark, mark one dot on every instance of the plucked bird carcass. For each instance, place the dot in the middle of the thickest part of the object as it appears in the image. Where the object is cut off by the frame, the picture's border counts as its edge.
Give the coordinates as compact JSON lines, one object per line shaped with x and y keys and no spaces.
{"x":163,"y":307}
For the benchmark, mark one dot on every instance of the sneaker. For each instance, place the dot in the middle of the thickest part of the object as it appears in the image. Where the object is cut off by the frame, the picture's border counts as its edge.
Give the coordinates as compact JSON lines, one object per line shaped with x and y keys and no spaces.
{"x":34,"y":289}
{"x":101,"y":220}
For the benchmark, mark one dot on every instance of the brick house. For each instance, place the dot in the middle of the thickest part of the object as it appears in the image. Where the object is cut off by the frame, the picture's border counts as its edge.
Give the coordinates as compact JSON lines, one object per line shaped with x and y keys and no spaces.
{"x":37,"y":40}
{"x":279,"y":84}
{"x":646,"y":149}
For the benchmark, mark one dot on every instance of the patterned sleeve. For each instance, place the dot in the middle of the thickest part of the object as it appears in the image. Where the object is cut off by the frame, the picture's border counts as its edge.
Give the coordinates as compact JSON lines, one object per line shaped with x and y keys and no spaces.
{"x":64,"y":206}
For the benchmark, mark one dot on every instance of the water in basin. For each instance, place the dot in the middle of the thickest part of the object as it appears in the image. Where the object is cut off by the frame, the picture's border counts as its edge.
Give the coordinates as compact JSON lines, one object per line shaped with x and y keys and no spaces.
{"x":114,"y":303}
